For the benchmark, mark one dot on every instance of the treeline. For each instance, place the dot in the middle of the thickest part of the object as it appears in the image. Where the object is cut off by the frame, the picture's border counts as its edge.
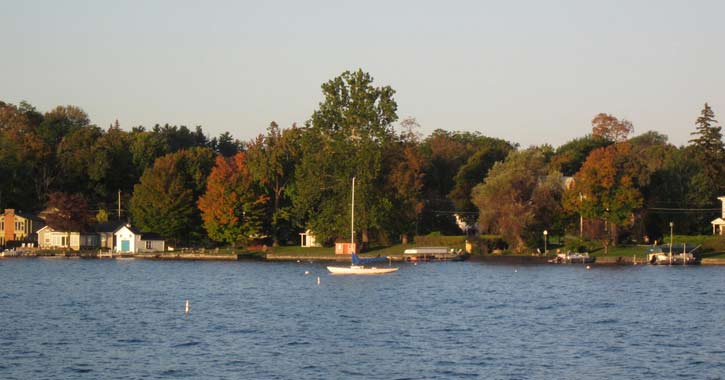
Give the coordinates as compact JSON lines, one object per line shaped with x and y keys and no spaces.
{"x":194,"y":189}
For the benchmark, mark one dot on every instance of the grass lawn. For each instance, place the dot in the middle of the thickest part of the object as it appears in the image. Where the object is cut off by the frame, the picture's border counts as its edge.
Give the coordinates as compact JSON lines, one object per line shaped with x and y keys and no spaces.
{"x":623,"y":251}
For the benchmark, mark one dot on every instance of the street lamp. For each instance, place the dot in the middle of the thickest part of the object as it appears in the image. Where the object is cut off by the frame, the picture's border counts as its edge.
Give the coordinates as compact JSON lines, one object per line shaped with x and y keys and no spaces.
{"x":671,"y":226}
{"x":545,"y":234}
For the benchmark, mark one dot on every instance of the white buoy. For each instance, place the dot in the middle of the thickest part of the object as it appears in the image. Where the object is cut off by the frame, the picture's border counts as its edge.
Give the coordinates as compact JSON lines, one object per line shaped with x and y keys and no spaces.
{"x":186,"y":309}
{"x":318,"y":280}
{"x":588,"y":267}
{"x":307,"y":272}
{"x":516,"y":270}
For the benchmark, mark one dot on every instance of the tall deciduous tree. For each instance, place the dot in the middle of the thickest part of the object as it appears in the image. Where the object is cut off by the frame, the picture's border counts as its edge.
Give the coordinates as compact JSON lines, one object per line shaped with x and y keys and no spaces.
{"x":272,"y":159}
{"x":68,"y":212}
{"x":473,"y":172}
{"x":165,"y":199}
{"x":445,"y":154}
{"x":519,"y":199}
{"x":609,"y":127}
{"x":607,"y":187}
{"x":568,"y":158}
{"x":22,"y":153}
{"x":232,"y":206}
{"x":404,"y":165}
{"x":345,"y":140}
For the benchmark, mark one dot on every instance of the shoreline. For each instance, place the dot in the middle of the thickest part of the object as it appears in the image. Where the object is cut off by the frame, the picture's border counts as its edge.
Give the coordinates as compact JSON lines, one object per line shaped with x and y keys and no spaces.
{"x":186,"y":256}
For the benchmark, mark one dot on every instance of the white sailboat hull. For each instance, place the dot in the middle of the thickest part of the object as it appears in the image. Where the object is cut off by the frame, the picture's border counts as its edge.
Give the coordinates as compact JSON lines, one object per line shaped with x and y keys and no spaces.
{"x":357,"y":269}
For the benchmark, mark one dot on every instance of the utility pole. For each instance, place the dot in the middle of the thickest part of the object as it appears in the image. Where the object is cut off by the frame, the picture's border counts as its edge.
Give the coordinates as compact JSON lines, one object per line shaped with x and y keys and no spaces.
{"x":119,"y":204}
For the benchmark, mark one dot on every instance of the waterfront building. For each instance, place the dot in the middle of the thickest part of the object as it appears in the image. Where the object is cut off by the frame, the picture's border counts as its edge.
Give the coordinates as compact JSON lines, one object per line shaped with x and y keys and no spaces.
{"x":18,"y":228}
{"x":718,"y":225}
{"x":130,"y":240}
{"x":50,"y":238}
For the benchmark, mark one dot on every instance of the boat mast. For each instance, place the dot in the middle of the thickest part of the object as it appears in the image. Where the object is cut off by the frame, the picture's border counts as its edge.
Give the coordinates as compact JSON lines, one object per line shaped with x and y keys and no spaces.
{"x":352,"y":214}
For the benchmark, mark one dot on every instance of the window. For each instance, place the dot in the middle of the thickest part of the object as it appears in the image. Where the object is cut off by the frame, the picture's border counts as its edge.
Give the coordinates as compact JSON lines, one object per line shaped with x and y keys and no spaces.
{"x":148,"y":244}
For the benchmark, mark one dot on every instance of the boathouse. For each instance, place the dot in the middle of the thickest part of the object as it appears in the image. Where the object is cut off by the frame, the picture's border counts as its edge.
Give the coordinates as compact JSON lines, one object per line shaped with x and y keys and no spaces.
{"x":130,"y":240}
{"x":718,"y":225}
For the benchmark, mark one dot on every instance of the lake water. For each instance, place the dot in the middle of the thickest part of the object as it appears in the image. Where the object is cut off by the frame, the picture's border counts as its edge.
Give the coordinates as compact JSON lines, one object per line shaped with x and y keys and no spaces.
{"x":124,"y":319}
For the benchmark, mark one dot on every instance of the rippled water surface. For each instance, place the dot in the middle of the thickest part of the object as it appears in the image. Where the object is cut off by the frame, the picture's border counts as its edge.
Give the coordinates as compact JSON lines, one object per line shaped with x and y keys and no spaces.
{"x":124,"y":319}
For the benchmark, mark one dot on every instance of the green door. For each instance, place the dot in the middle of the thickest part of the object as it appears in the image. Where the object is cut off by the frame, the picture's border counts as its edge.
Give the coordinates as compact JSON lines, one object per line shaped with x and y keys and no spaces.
{"x":125,"y":245}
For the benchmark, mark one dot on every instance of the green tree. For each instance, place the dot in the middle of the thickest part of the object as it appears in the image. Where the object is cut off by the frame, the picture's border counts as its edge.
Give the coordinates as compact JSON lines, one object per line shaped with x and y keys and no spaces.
{"x":445,"y":153}
{"x":519,"y":199}
{"x":112,"y":166}
{"x":404,"y":164}
{"x":272,"y":159}
{"x":226,"y":145}
{"x":474,"y":171}
{"x":165,"y":199}
{"x":345,"y":139}
{"x":22,"y":153}
{"x":75,"y":157}
{"x":709,"y":149}
{"x":569,"y":157}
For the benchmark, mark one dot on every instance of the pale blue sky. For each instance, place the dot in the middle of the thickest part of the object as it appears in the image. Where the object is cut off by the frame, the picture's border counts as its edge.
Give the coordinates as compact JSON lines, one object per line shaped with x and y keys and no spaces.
{"x":528,"y":71}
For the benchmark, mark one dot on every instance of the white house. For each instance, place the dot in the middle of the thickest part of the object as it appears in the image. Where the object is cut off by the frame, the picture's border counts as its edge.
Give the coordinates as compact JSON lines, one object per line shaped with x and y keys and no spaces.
{"x":307,"y":239}
{"x":50,"y":238}
{"x":129,"y":239}
{"x":718,"y":225}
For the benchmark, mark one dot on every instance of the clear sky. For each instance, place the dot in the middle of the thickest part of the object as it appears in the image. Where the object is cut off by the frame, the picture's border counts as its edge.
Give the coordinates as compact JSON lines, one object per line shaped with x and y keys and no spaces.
{"x":531,"y":72}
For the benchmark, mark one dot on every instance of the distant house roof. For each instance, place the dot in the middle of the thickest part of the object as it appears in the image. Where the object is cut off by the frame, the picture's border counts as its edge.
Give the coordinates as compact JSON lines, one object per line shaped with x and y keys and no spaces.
{"x":28,"y":216}
{"x":143,"y":235}
{"x":718,"y":222}
{"x":108,"y":226}
{"x":130,"y":228}
{"x":51,"y":229}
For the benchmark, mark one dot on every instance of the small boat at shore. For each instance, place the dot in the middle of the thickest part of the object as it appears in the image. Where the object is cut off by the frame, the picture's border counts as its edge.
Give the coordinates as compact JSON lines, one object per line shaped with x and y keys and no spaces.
{"x":434,"y":254}
{"x":11,"y":253}
{"x":358,"y":264}
{"x":572,"y":258}
{"x":658,"y":256}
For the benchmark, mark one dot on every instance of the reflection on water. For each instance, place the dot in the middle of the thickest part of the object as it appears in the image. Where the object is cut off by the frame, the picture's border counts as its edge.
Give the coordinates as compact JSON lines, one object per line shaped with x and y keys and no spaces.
{"x":91,"y":319}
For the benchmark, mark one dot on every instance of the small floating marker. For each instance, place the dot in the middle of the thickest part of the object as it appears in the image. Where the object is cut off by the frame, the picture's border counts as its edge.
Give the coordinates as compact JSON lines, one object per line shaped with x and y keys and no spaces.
{"x":516,"y":270}
{"x":588,"y":267}
{"x":298,"y":261}
{"x":186,"y":309}
{"x":307,"y":272}
{"x":318,"y":280}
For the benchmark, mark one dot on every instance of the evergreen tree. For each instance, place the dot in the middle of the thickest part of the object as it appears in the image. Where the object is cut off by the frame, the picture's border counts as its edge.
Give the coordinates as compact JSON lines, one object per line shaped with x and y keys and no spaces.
{"x":709,"y":144}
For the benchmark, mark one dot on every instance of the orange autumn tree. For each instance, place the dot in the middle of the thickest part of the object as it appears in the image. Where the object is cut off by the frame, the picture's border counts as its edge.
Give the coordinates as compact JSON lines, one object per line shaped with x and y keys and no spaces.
{"x":605,"y":188}
{"x":609,"y":127}
{"x":232,"y":208}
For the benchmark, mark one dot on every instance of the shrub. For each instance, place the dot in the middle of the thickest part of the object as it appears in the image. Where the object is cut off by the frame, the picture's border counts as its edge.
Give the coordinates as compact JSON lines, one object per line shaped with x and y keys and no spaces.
{"x":485,"y":244}
{"x":714,"y":243}
{"x":575,"y":244}
{"x":435,"y":239}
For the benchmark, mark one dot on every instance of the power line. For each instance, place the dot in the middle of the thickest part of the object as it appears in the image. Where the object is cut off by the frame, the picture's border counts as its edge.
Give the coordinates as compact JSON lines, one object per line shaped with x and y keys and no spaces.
{"x":682,"y":209}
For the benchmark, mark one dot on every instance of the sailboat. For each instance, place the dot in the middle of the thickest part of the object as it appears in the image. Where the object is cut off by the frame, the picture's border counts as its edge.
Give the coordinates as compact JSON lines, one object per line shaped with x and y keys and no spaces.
{"x":358,"y":264}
